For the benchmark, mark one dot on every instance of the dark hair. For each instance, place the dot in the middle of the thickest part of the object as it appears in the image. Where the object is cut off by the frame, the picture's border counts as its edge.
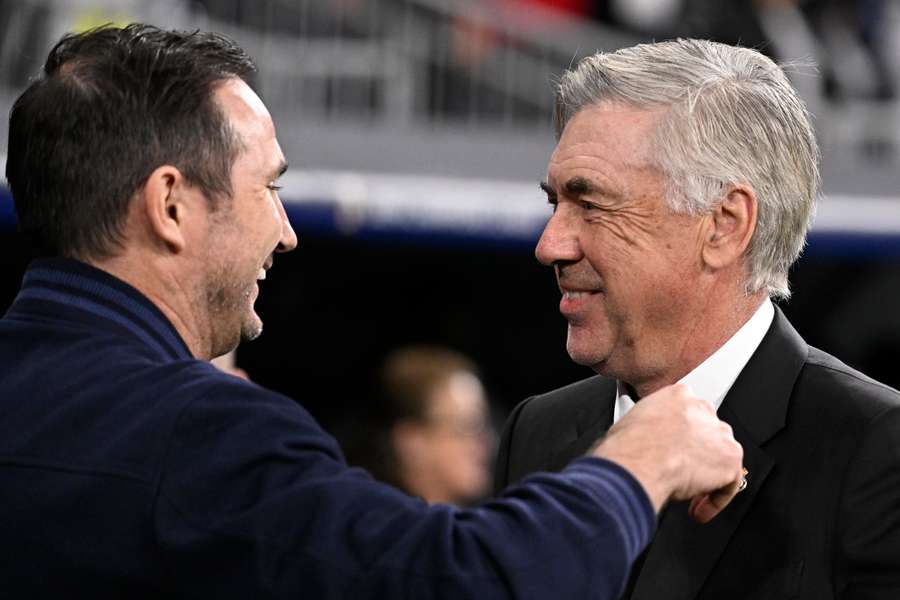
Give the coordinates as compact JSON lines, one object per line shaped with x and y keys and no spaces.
{"x":110,"y":106}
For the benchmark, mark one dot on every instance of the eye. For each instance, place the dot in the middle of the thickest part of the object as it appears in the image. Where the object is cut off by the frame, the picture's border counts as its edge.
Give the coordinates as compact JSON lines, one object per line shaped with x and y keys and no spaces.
{"x":592,"y":207}
{"x":274,"y":187}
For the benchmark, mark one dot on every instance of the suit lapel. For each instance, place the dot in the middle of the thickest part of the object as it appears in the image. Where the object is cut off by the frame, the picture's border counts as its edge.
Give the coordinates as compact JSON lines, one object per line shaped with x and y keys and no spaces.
{"x":592,"y":421}
{"x":683,"y":552}
{"x":759,"y":398}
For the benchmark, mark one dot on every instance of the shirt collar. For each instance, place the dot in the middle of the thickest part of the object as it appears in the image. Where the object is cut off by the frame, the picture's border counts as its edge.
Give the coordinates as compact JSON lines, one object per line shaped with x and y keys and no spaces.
{"x":711,"y":379}
{"x":63,"y":285}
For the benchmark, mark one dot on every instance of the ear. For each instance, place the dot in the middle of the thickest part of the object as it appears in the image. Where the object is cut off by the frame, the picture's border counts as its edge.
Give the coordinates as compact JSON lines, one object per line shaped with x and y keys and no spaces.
{"x":730,"y":227}
{"x":168,"y":201}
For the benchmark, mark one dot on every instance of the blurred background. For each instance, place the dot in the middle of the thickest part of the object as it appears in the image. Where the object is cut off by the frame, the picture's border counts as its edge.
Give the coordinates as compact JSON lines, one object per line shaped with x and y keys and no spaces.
{"x":417,"y":132}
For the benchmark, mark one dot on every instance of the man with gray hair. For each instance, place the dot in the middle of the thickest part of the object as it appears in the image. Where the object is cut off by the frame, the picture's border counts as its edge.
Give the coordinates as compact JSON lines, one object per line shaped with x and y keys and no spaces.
{"x":682,"y":187}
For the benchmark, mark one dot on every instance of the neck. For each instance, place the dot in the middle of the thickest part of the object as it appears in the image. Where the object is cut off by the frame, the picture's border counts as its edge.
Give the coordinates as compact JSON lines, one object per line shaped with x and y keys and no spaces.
{"x":697,"y":339}
{"x":173,"y":293}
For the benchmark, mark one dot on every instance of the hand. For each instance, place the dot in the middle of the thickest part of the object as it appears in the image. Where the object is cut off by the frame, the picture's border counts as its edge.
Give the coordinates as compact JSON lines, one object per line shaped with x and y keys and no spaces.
{"x":706,"y":506}
{"x":676,"y":447}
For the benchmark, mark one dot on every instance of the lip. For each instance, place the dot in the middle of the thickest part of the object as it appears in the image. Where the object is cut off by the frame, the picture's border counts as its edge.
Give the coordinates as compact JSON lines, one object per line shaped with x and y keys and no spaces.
{"x":573,"y":302}
{"x":575,"y":299}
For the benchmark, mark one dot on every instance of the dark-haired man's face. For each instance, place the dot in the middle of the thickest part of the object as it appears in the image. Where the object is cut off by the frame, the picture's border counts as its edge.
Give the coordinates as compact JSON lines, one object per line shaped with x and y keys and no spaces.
{"x":245,"y":232}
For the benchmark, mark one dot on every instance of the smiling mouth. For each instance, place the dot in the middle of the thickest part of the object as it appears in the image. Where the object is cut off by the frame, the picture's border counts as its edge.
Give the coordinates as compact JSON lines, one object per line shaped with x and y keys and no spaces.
{"x":574,"y":302}
{"x":263,"y":269}
{"x":569,"y":295}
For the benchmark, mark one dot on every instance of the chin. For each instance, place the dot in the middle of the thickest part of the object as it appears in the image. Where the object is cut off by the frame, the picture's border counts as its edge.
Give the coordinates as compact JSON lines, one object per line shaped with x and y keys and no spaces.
{"x":586,"y":348}
{"x":251,"y":332}
{"x":581,"y":355}
{"x":252,"y":327}
{"x":589,"y":358}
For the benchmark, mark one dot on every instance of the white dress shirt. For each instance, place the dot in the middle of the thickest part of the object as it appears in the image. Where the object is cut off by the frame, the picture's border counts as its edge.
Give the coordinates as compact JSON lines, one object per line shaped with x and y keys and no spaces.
{"x":712,"y":378}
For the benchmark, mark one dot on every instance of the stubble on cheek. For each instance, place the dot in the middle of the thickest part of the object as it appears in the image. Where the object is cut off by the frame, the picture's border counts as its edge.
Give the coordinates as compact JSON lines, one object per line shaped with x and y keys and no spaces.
{"x":230,"y":309}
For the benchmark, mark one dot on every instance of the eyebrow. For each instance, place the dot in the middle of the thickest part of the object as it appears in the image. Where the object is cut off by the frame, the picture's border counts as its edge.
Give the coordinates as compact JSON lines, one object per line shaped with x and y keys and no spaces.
{"x":579,"y":186}
{"x":576,"y":186}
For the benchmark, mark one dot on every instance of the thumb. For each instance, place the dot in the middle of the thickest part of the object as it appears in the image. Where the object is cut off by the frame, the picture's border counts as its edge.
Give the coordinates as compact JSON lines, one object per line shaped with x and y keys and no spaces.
{"x":705,"y":507}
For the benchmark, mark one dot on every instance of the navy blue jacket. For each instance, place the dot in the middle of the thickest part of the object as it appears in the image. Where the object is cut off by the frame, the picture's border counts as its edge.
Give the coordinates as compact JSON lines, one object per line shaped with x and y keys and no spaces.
{"x":130,"y":469}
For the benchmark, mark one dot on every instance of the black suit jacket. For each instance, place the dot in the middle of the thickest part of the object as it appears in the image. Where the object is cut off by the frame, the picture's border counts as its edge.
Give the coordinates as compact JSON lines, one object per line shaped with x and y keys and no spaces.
{"x":820,"y":517}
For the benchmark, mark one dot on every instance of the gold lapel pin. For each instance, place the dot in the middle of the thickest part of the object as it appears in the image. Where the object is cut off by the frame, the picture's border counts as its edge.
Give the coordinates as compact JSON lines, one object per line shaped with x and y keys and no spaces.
{"x":743,"y":485}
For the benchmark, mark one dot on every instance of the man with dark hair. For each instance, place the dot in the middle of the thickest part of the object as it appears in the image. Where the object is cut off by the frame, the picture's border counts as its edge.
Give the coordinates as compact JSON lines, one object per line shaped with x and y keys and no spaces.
{"x":132,"y":111}
{"x":145,"y":167}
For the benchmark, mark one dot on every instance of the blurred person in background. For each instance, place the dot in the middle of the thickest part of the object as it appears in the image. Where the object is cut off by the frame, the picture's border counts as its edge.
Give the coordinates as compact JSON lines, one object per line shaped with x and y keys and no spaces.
{"x":430,"y":432}
{"x":146,"y":170}
{"x":682,"y":187}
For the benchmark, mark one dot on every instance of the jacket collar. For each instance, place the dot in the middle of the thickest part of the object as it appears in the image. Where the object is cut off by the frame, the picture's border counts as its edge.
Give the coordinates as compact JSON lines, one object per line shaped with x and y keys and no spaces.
{"x":63,"y":289}
{"x":758,"y":401}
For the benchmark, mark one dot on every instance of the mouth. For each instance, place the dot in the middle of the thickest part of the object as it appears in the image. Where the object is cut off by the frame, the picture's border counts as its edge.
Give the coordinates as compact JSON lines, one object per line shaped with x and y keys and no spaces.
{"x":575,"y":302}
{"x":261,"y":275}
{"x":577,"y":295}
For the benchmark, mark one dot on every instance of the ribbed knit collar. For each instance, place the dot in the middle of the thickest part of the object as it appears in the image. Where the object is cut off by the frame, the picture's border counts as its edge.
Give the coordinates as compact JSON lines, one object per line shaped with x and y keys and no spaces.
{"x":59,"y":286}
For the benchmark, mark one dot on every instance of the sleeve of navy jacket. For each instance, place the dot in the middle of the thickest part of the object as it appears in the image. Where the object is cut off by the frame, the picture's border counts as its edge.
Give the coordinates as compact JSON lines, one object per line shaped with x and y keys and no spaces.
{"x":254,"y":495}
{"x":130,"y":470}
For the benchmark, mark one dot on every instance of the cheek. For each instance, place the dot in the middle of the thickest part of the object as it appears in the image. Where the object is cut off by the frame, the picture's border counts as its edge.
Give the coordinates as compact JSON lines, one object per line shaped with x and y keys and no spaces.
{"x":620,"y":242}
{"x":274,"y":216}
{"x":648,"y":255}
{"x":661,"y":281}
{"x":440,"y":458}
{"x":619,"y":265}
{"x":465,"y":462}
{"x":265,"y":223}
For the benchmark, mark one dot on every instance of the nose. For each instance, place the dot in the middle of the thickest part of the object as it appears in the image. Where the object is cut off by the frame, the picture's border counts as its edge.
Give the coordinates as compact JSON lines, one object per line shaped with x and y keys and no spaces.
{"x":559,"y":241}
{"x":288,"y":239}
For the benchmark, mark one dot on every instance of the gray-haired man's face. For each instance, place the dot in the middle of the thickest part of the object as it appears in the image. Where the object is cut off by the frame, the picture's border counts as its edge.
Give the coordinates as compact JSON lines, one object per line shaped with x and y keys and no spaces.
{"x":626,"y":265}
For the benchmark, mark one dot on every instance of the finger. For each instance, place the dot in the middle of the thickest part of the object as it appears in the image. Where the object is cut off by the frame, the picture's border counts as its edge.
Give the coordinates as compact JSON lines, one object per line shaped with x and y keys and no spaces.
{"x":696,"y":510}
{"x":705,"y":507}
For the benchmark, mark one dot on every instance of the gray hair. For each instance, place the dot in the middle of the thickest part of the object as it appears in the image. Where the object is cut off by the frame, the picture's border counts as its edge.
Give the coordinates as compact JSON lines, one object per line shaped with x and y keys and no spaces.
{"x":732,"y":118}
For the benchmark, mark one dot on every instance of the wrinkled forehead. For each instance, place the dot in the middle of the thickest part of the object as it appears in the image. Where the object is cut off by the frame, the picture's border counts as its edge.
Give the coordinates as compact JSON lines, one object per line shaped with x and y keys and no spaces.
{"x":611,"y":129}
